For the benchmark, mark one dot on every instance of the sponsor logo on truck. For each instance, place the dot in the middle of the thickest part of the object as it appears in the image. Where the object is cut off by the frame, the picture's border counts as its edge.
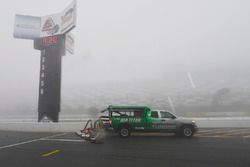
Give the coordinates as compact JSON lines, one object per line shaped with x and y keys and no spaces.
{"x":130,"y":120}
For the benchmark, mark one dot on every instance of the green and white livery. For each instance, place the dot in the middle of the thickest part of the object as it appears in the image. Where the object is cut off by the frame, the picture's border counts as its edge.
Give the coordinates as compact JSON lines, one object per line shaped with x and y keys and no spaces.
{"x":127,"y":119}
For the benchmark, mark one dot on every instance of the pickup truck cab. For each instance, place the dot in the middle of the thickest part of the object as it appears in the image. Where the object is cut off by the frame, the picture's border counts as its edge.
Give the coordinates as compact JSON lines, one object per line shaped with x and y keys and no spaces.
{"x":127,"y":119}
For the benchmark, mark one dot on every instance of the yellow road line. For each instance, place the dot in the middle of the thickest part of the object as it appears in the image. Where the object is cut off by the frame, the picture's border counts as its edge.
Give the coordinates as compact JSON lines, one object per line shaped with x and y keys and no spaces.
{"x":50,"y":153}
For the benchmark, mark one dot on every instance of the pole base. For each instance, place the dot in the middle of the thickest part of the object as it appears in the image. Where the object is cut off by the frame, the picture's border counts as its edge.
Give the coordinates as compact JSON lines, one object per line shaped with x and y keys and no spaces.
{"x":54,"y":117}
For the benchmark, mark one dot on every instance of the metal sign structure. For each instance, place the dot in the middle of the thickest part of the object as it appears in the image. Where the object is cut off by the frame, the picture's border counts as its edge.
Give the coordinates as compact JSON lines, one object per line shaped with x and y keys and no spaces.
{"x":51,"y":35}
{"x":31,"y":27}
{"x":70,"y":43}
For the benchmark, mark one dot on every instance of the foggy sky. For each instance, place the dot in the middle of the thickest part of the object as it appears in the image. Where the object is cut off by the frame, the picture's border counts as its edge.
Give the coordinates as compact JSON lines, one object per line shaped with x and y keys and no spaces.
{"x":119,"y":40}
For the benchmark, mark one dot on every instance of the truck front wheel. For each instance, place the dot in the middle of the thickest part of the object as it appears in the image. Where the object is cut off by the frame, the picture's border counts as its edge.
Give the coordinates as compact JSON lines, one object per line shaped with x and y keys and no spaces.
{"x":124,"y":131}
{"x":187,"y":131}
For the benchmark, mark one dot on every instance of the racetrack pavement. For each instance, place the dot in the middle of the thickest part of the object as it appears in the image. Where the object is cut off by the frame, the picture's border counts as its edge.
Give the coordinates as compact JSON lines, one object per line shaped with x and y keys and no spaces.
{"x":207,"y":148}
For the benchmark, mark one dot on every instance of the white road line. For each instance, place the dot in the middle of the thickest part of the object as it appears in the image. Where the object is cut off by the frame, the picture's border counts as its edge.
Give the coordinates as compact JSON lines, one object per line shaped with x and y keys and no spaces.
{"x":63,"y":140}
{"x":61,"y":134}
{"x":210,"y":133}
{"x":31,"y":141}
{"x":210,"y":130}
{"x":223,"y":130}
{"x":226,"y":133}
{"x":235,"y":134}
{"x":216,"y":136}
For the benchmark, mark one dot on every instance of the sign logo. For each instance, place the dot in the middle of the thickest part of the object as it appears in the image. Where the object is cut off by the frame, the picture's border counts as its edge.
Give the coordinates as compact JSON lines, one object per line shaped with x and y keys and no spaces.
{"x":68,"y":16}
{"x":27,"y":26}
{"x":50,"y":27}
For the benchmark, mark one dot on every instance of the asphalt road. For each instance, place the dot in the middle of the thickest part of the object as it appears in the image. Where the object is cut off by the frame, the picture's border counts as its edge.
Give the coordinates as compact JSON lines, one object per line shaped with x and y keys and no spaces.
{"x":209,"y":148}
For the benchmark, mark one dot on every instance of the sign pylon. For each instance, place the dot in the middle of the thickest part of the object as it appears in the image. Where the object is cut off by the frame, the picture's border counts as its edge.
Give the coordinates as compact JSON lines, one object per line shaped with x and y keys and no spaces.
{"x":51,"y":35}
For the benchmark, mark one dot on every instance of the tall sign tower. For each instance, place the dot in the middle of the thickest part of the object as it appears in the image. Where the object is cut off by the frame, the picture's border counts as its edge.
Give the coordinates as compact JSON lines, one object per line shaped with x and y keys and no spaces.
{"x":51,"y":35}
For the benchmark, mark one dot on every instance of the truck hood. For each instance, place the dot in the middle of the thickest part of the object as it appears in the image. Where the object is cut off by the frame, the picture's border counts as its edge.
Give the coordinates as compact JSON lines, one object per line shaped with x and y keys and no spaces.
{"x":184,"y":120}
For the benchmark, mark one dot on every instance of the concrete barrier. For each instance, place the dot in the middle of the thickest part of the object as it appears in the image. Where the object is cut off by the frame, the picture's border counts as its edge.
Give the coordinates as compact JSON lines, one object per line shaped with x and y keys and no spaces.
{"x":6,"y":125}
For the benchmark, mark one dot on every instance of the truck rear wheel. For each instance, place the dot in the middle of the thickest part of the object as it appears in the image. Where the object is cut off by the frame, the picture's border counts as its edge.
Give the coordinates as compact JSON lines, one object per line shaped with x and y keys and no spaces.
{"x":124,"y":131}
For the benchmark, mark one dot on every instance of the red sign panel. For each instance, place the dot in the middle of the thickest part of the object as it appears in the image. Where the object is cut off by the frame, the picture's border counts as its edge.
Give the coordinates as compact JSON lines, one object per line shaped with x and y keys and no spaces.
{"x":52,"y":40}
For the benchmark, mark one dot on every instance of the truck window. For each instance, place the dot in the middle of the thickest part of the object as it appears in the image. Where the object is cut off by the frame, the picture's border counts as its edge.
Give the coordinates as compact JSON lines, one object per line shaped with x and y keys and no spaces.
{"x":154,"y":114}
{"x":165,"y":114}
{"x":138,"y":113}
{"x":115,"y":113}
{"x":128,"y":112}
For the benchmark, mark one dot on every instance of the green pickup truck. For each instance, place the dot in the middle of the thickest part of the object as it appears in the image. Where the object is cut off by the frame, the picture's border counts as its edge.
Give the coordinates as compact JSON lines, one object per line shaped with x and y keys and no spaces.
{"x":127,"y":119}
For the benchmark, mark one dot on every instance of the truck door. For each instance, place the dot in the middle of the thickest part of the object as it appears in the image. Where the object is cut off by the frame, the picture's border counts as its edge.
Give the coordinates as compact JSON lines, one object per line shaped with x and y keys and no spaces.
{"x":155,"y":123}
{"x":168,"y":120}
{"x":138,"y":119}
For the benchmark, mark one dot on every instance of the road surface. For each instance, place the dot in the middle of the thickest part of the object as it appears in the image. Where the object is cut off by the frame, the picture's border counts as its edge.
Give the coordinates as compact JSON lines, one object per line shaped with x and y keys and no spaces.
{"x":209,"y":148}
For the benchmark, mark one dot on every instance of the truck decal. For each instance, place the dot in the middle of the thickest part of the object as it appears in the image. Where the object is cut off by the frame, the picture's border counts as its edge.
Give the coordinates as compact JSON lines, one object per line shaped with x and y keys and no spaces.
{"x":130,"y":120}
{"x":163,"y":126}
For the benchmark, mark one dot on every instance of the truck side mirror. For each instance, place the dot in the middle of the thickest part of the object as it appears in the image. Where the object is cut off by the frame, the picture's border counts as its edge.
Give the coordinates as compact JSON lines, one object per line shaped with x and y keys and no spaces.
{"x":173,"y":117}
